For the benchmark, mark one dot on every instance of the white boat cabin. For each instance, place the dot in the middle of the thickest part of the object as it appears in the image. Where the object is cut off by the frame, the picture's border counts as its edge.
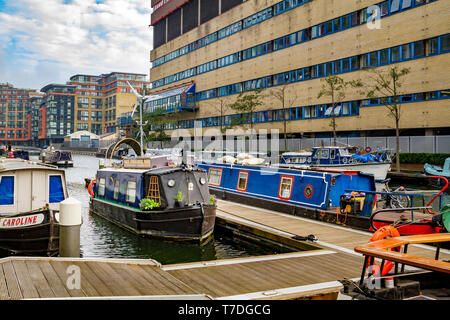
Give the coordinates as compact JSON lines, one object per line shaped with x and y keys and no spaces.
{"x":27,"y":186}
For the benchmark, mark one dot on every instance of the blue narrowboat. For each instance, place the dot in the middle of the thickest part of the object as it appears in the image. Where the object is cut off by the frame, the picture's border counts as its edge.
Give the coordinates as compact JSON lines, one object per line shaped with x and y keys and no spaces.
{"x":376,"y":163}
{"x":169,"y":202}
{"x":316,"y":194}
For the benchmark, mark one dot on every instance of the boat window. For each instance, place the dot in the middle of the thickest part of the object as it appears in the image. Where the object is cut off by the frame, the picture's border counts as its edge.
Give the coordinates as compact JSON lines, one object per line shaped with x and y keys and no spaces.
{"x":285,"y":188}
{"x":131,"y":191}
{"x":325,"y":154}
{"x":101,"y":187}
{"x":344,"y":153}
{"x":242,"y":181}
{"x":214,"y":177}
{"x":6,"y":190}
{"x":116,"y":189}
{"x":333,"y":154}
{"x":56,"y":189}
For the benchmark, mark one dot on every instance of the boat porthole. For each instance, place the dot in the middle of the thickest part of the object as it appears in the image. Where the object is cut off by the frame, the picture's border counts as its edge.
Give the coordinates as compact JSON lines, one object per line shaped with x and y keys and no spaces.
{"x":171,"y":183}
{"x":202,"y":180}
{"x":309,"y":191}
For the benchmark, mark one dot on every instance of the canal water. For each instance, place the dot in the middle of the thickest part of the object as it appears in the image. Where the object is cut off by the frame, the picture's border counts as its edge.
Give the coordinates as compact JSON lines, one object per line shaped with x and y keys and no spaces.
{"x":102,"y":239}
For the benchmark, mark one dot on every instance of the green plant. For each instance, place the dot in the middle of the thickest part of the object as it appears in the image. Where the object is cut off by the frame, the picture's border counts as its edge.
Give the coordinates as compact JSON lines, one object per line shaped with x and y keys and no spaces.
{"x":179,"y":196}
{"x":431,"y":158}
{"x":149,"y":204}
{"x":212,"y":200}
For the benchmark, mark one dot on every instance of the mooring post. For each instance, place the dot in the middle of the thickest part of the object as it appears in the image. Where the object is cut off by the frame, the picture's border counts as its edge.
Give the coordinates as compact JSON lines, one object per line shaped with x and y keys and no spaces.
{"x":69,"y":228}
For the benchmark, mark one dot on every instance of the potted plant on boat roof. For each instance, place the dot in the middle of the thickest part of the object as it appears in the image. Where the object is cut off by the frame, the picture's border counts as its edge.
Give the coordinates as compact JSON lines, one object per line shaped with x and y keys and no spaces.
{"x":179,"y":199}
{"x":212,"y":200}
{"x":148,"y":204}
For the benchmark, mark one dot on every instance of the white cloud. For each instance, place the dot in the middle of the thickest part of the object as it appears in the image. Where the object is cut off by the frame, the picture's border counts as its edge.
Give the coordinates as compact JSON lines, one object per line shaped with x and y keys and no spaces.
{"x":79,"y":37}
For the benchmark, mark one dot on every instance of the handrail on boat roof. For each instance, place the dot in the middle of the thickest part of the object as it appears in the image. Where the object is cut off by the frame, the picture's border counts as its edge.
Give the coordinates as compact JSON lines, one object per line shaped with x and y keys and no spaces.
{"x":403,"y":193}
{"x":381,"y":249}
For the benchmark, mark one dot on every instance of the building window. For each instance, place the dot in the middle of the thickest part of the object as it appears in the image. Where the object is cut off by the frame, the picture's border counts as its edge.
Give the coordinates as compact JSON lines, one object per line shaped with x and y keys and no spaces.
{"x":419,"y":49}
{"x":131,"y":191}
{"x":445,"y":43}
{"x":406,"y":52}
{"x":395,"y":5}
{"x":395,"y":54}
{"x":384,"y":56}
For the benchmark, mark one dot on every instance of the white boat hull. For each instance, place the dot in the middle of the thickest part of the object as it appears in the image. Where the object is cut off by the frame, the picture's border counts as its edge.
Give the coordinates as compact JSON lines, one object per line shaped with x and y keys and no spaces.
{"x":379,"y":170}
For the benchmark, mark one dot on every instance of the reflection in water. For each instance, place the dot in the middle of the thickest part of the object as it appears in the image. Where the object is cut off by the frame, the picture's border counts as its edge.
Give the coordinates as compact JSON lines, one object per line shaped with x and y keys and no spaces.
{"x":102,"y":239}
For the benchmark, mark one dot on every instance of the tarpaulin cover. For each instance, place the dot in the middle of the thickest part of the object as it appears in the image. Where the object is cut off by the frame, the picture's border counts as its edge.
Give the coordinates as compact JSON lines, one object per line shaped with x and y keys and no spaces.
{"x":56,"y":189}
{"x":364,"y":157}
{"x":7,"y":190}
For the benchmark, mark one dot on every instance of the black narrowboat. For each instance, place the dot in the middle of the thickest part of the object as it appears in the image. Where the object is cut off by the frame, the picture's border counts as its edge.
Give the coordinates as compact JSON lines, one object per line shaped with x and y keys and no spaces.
{"x":153,"y":199}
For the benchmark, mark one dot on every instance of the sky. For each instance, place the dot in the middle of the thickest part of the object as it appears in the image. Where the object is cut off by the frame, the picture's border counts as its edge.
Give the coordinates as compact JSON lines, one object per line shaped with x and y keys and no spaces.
{"x":43,"y":42}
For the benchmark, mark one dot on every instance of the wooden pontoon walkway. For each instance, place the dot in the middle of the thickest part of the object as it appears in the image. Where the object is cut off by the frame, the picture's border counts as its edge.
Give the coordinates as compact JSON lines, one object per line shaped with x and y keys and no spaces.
{"x":293,"y":275}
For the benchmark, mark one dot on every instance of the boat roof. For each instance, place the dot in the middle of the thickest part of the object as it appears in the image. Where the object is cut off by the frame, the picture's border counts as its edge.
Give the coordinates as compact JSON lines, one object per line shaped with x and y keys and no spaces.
{"x":299,"y":153}
{"x":157,"y":171}
{"x":109,"y":169}
{"x":333,"y":147}
{"x":20,"y":164}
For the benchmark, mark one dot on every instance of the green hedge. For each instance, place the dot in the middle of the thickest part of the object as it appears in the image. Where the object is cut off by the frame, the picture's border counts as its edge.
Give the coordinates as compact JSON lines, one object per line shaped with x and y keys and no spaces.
{"x":432,"y":158}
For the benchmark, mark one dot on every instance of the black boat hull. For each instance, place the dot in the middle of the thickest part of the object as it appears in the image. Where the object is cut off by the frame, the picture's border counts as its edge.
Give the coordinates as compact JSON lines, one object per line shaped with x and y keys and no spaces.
{"x":38,"y":240}
{"x":193,"y":223}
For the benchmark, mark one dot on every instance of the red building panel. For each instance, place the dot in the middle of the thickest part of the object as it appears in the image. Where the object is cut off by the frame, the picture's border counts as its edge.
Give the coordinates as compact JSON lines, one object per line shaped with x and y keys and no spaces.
{"x":165,"y":9}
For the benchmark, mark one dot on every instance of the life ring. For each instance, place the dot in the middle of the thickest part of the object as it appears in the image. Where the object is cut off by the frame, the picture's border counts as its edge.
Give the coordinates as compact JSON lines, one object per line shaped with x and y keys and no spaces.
{"x":90,"y":190}
{"x":380,"y":234}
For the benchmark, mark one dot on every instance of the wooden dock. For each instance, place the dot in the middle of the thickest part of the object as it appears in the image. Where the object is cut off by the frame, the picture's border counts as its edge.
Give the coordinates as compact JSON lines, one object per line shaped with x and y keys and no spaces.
{"x":297,"y":275}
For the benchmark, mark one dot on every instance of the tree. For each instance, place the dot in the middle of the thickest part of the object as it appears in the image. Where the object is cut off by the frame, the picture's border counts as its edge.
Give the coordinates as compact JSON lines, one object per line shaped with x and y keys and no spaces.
{"x":335,"y":87}
{"x":247,"y":103}
{"x":280,"y":95}
{"x":387,"y":84}
{"x":221,"y":107}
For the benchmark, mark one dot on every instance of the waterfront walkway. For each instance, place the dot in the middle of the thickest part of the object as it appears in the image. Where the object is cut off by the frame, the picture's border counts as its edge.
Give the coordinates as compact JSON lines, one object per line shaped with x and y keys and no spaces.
{"x":296,"y":275}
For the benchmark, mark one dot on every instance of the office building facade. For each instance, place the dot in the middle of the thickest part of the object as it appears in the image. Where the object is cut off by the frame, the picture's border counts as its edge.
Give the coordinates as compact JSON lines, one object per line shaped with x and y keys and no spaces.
{"x":14,"y":105}
{"x":56,"y":114}
{"x":225,"y":48}
{"x":100,"y":100}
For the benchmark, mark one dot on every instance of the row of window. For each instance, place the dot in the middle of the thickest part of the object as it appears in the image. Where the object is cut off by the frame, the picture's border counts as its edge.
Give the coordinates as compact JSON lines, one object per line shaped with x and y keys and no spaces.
{"x":343,"y":109}
{"x":356,"y":18}
{"x":56,"y":189}
{"x":415,"y":50}
{"x":284,"y":189}
{"x":258,"y":17}
{"x":332,"y":26}
{"x":130,"y":189}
